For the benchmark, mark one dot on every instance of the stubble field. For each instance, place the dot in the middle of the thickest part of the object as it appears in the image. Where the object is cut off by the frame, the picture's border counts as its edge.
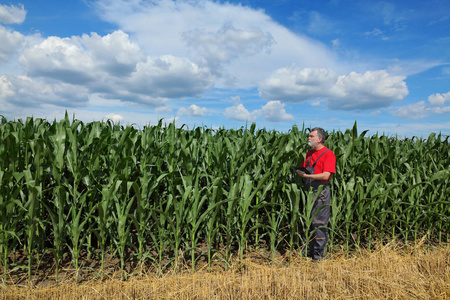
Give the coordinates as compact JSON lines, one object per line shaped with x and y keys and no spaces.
{"x":387,"y":272}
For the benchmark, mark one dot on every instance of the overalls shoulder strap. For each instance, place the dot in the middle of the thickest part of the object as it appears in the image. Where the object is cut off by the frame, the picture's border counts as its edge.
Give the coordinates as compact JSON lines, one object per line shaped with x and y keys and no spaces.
{"x":309,"y":160}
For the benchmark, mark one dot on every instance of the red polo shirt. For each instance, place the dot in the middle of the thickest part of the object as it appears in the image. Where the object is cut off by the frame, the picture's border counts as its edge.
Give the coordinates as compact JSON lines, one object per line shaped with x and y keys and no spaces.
{"x":326,"y":163}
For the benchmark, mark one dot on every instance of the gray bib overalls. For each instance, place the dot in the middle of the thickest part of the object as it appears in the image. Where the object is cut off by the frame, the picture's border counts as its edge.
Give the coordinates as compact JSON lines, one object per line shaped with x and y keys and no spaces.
{"x":322,"y":207}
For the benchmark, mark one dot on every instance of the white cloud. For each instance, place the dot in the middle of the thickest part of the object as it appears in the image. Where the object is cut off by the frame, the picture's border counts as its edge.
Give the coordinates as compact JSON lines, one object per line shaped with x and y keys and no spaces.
{"x":193,"y":111}
{"x":370,"y":90}
{"x":422,"y":109}
{"x":24,"y":91}
{"x":114,"y":53}
{"x":297,"y":85}
{"x":347,"y":92}
{"x":12,"y":14}
{"x":274,"y":111}
{"x":240,"y":113}
{"x":171,"y":77}
{"x":61,"y":59}
{"x":440,"y":110}
{"x":83,"y":59}
{"x":9,"y":43}
{"x":114,"y":117}
{"x":412,"y":111}
{"x":439,"y":99}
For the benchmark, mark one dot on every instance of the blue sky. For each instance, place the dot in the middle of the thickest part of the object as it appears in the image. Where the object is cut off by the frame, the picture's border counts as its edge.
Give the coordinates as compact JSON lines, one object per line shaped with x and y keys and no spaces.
{"x":385,"y":65}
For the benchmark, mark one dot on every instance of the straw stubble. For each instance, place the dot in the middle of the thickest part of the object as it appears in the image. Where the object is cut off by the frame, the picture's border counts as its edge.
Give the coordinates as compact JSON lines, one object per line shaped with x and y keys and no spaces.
{"x":386,"y":273}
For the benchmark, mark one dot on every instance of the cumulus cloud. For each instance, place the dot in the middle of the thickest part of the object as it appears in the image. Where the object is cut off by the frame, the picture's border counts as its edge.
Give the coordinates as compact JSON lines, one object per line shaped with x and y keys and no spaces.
{"x":10,"y":41}
{"x":83,"y":59}
{"x":412,"y":111}
{"x":274,"y":111}
{"x":193,"y":111}
{"x":436,"y":104}
{"x":370,"y":90}
{"x":12,"y":14}
{"x":114,"y":53}
{"x":240,"y":113}
{"x":171,"y":77}
{"x":439,"y":99}
{"x":355,"y":91}
{"x":115,"y":68}
{"x":114,"y":117}
{"x":18,"y":90}
{"x":291,"y":84}
{"x":61,"y":59}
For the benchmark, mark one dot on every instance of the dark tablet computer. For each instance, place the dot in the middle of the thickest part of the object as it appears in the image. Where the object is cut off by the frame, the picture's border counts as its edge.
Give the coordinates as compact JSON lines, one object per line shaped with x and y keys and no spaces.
{"x":294,"y":169}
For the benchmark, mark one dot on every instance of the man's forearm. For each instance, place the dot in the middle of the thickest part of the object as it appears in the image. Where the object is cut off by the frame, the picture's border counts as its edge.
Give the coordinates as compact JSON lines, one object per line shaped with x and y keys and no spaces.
{"x":320,"y":176}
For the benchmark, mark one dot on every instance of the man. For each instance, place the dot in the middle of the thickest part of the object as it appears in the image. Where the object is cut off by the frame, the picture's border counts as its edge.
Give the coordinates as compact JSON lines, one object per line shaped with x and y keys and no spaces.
{"x":321,"y":164}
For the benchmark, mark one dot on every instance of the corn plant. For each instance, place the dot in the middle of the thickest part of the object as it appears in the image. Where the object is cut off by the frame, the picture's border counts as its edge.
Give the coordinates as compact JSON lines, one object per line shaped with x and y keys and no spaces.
{"x":11,"y":212}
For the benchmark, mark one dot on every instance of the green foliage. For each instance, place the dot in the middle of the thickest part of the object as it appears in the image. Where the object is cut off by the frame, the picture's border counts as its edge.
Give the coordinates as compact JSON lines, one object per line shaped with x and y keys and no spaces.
{"x":165,"y":193}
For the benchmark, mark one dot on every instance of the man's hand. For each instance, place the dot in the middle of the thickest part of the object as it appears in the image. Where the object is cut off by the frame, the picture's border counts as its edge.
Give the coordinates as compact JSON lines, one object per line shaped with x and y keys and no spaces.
{"x":301,"y":173}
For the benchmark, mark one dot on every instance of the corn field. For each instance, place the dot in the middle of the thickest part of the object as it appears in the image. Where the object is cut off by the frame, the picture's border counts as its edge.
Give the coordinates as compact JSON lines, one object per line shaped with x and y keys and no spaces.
{"x":156,"y":194}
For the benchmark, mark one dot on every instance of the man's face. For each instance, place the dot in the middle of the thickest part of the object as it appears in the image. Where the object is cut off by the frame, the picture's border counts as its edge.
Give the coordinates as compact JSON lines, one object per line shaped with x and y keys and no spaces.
{"x":313,"y":139}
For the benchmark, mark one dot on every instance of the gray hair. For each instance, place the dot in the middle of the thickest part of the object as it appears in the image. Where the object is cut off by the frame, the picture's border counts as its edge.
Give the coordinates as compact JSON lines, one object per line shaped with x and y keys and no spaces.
{"x":320,"y":133}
